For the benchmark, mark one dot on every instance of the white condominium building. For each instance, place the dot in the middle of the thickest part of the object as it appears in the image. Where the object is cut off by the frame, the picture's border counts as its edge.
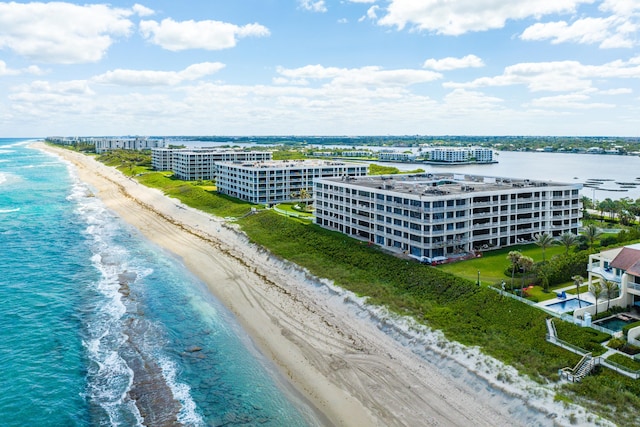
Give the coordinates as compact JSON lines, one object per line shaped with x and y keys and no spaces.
{"x":443,"y":215}
{"x":162,"y":158}
{"x":394,"y":156}
{"x":273,"y":181}
{"x":192,"y":164}
{"x":138,"y":143}
{"x":461,"y":154}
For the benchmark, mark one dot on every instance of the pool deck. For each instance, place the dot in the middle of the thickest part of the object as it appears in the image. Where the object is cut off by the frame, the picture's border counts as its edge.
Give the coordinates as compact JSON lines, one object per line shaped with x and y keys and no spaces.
{"x":584,"y":296}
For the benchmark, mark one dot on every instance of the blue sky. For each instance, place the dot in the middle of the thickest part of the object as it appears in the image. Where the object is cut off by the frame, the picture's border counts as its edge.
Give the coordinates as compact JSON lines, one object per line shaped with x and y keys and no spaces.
{"x":320,"y":67}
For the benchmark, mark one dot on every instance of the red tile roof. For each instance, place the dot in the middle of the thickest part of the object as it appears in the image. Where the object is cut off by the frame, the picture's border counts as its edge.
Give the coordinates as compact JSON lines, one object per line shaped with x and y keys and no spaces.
{"x":628,"y":260}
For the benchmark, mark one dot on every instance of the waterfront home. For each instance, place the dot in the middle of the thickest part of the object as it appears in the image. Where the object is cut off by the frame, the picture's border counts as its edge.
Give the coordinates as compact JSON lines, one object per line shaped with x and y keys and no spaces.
{"x":622,"y":267}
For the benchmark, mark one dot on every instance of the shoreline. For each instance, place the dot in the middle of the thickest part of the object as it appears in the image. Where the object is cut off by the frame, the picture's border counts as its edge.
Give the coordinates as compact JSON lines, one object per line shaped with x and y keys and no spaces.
{"x":350,"y":371}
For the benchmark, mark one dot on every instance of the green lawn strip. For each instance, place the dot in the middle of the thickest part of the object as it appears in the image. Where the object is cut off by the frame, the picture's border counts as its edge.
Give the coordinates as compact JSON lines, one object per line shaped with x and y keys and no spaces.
{"x":194,"y":195}
{"x":376,"y":169}
{"x":290,"y":208}
{"x":493,"y":264}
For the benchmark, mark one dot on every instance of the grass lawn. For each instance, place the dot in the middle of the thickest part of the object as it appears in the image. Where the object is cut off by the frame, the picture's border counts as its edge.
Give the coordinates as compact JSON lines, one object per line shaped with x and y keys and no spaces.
{"x":492,"y":264}
{"x":289,"y":207}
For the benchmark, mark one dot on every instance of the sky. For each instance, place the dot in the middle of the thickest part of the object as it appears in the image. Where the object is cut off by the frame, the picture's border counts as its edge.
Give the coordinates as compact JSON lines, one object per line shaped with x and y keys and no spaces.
{"x":320,"y":67}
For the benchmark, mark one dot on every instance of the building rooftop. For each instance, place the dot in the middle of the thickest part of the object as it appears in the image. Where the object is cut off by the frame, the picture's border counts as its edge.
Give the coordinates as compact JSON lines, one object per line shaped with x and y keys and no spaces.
{"x":279,"y":164}
{"x":439,"y":184}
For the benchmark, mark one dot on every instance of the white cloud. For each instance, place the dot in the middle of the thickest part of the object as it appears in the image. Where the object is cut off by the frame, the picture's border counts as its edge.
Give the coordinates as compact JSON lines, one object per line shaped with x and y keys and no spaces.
{"x":362,"y":1}
{"x":451,"y":63}
{"x":6,"y":71}
{"x":313,"y":5}
{"x":463,"y":101}
{"x":618,"y":91}
{"x":61,"y":33}
{"x":141,"y":10}
{"x":579,"y":101}
{"x":73,"y":87}
{"x":208,"y":35}
{"x":158,"y":78}
{"x":621,"y":7}
{"x":462,"y":16}
{"x":556,"y":76}
{"x":610,"y":32}
{"x":364,"y":76}
{"x":372,"y":13}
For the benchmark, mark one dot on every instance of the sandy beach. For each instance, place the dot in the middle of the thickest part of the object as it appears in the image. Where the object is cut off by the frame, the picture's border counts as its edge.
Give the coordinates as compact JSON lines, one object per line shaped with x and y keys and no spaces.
{"x":351,"y":371}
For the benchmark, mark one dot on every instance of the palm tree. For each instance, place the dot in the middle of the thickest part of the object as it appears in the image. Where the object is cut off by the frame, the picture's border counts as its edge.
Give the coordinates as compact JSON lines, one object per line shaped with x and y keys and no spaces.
{"x":304,"y":195}
{"x":526,"y":263}
{"x":513,"y":257}
{"x":544,"y":240}
{"x":587,"y":203}
{"x":596,"y":289}
{"x":591,"y":233}
{"x":567,"y":240}
{"x":610,"y":290}
{"x":578,"y":281}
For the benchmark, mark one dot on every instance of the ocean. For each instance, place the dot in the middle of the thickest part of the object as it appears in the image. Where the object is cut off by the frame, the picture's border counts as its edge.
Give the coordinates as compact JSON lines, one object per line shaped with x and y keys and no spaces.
{"x":98,"y":326}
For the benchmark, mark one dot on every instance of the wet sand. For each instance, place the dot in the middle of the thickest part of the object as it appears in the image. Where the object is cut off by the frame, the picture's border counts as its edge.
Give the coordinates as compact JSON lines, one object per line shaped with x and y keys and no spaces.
{"x":351,"y":371}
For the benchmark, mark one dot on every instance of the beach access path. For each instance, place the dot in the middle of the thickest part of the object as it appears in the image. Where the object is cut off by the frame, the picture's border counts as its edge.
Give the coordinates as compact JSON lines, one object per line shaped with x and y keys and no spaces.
{"x":349,"y":370}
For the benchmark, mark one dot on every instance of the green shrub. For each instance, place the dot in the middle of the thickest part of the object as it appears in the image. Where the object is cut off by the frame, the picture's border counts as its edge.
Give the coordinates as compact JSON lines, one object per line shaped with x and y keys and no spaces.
{"x":625,"y":361}
{"x":616,"y":343}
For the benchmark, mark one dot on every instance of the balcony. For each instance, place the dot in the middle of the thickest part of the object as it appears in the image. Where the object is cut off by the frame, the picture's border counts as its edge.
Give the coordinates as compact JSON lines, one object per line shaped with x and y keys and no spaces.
{"x":606,"y":273}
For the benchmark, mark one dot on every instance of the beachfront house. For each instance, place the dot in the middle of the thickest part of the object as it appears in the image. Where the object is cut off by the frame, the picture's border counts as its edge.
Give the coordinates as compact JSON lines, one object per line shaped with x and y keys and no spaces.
{"x":271,"y":182}
{"x":445,"y":215}
{"x":622,"y":267}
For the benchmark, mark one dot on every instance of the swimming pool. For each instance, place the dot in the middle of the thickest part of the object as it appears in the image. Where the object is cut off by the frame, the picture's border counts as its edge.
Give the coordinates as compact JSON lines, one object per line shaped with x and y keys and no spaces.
{"x":567,"y":305}
{"x":615,"y":323}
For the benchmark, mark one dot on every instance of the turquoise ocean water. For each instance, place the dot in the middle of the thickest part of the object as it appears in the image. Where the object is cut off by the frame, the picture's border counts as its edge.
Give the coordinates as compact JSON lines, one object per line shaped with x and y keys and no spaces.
{"x":100,"y":327}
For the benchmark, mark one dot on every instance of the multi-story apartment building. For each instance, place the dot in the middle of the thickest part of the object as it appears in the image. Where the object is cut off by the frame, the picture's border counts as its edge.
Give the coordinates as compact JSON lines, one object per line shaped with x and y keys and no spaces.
{"x":445,"y":214}
{"x":461,"y":154}
{"x":271,"y":182}
{"x":104,"y":144}
{"x":162,"y":158}
{"x":138,"y":143}
{"x":394,"y":156}
{"x":200,"y":163}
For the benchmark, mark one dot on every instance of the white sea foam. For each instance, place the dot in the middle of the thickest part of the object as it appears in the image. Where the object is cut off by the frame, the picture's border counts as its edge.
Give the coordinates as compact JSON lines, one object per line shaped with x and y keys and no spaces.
{"x":22,"y":143}
{"x":9,"y":178}
{"x":110,"y":378}
{"x":113,"y":379}
{"x":188,"y":414}
{"x":9,"y":210}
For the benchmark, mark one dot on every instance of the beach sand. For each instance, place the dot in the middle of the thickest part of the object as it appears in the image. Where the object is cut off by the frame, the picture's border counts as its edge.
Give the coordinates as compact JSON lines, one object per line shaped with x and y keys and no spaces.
{"x":350,"y":370}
